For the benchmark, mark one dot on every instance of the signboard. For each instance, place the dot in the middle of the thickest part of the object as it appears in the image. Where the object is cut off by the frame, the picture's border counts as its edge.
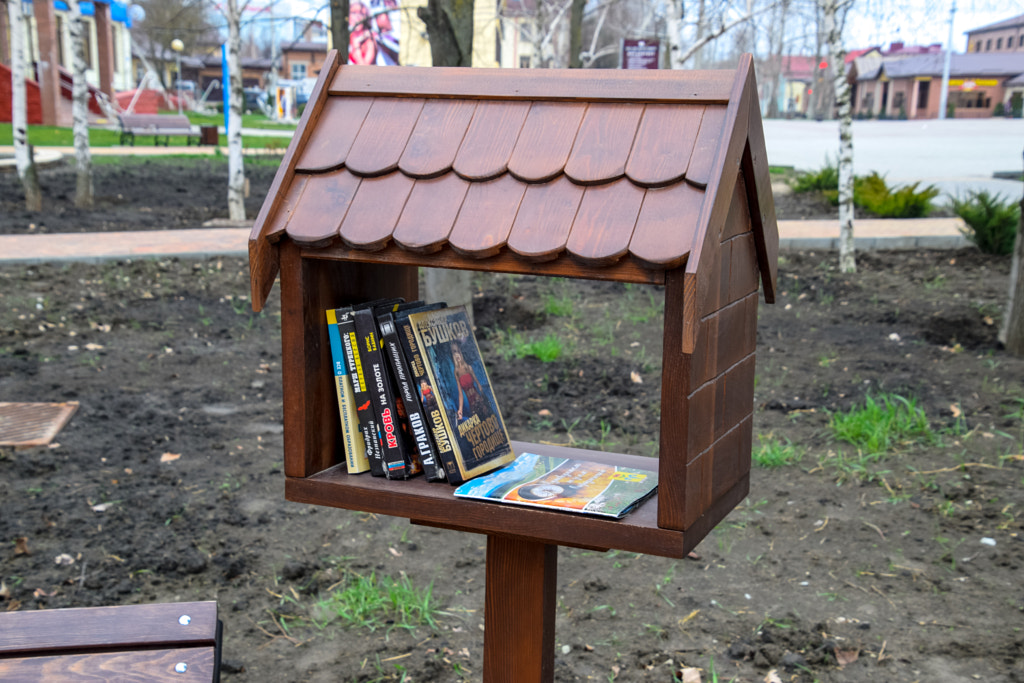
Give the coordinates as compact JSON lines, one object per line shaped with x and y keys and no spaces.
{"x":640,"y":54}
{"x":971,"y":84}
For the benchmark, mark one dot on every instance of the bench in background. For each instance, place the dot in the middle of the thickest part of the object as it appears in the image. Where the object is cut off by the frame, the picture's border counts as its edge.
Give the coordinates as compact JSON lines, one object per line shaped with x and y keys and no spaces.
{"x":163,"y":642}
{"x":156,"y":125}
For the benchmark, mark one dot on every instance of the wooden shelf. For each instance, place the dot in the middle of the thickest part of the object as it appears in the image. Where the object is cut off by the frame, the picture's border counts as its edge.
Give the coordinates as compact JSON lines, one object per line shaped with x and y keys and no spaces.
{"x":434,"y":504}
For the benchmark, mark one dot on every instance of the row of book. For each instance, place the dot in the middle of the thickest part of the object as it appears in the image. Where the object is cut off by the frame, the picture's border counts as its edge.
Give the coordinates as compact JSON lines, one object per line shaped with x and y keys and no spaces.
{"x":413,"y":393}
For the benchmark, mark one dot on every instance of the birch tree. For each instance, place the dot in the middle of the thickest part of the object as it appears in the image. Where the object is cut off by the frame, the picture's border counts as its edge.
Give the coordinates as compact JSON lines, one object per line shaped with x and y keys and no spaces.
{"x":833,"y":14}
{"x":705,"y":32}
{"x":80,"y":108}
{"x":236,"y":169}
{"x":1012,"y":331}
{"x":23,"y":158}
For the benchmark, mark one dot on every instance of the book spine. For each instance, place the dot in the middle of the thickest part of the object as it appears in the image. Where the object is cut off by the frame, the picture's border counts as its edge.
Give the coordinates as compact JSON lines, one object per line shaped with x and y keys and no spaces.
{"x":419,"y":433}
{"x":444,"y":439}
{"x":361,"y":395}
{"x":395,"y":458}
{"x":352,"y":439}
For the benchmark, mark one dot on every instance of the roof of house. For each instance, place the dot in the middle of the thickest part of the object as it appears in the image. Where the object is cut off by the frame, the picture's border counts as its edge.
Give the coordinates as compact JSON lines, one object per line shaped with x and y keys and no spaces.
{"x":607,"y":169}
{"x":304,"y":46}
{"x":970,"y":64}
{"x":1012,"y":22}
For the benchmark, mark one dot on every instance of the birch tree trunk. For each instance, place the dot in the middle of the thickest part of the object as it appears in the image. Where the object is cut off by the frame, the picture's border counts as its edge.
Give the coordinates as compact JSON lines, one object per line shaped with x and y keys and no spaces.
{"x":23,"y":158}
{"x":236,"y":168}
{"x":80,"y":108}
{"x":1012,"y":331}
{"x":834,"y":15}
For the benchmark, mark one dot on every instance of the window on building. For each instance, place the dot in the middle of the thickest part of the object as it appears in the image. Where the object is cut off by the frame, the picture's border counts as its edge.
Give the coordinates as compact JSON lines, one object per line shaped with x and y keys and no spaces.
{"x":977,"y":46}
{"x":524,"y":62}
{"x":1020,"y":43}
{"x":999,"y":43}
{"x":988,"y":45}
{"x":897,"y":101}
{"x":298,"y":71}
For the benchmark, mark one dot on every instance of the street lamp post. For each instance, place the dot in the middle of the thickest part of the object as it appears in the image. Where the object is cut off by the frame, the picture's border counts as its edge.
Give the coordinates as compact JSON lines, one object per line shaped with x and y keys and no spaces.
{"x":178,"y":46}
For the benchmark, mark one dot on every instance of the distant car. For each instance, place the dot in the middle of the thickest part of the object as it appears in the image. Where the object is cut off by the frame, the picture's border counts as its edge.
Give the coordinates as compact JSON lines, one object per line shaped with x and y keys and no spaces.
{"x":255,"y":100}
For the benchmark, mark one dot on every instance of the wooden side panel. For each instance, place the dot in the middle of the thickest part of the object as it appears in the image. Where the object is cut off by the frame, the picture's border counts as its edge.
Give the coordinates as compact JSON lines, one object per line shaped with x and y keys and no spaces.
{"x":673,"y":474}
{"x":603,"y":143}
{"x":605,"y":221}
{"x":375,"y":211}
{"x":41,"y":631}
{"x":319,"y":211}
{"x":383,"y":136}
{"x":486,"y":217}
{"x":430,"y":213}
{"x":545,"y":218}
{"x":436,"y":139}
{"x":762,"y":203}
{"x":134,"y":666}
{"x":519,"y":611}
{"x":491,"y":137}
{"x":332,"y":138}
{"x":667,"y":225}
{"x":308,"y":288}
{"x":546,"y":139}
{"x":664,"y":143}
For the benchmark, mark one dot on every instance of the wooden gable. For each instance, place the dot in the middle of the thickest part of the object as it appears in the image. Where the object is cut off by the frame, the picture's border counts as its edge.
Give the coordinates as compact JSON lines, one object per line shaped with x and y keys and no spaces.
{"x":591,"y":173}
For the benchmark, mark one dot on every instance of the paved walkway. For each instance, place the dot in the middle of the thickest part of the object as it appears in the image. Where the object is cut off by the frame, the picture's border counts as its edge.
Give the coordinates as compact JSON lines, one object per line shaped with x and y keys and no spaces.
{"x":228,"y":240}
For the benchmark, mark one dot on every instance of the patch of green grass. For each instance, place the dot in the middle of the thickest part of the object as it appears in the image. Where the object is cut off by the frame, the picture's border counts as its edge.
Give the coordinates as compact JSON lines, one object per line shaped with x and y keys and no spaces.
{"x":882,"y":424}
{"x":991,"y":220}
{"x":824,"y":179}
{"x":54,"y":136}
{"x":548,"y":349}
{"x":772,"y":452}
{"x":370,"y":602}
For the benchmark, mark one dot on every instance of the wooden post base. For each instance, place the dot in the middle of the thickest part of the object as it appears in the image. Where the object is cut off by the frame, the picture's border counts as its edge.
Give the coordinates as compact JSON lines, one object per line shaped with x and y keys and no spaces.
{"x":519,"y":612}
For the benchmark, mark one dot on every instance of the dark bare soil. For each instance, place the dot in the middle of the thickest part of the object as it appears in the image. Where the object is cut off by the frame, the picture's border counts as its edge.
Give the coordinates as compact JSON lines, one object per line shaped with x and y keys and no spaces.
{"x":167,"y":483}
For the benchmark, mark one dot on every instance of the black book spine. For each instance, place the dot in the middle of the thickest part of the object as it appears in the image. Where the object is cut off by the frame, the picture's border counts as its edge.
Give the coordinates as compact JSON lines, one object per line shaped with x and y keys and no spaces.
{"x":428,"y":400}
{"x":392,"y":348}
{"x":361,"y":393}
{"x":395,"y":457}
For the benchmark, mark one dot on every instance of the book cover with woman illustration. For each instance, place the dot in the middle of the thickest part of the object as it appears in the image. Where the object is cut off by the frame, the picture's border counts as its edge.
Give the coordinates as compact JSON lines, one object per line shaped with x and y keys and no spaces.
{"x":566,"y":484}
{"x":463,"y":391}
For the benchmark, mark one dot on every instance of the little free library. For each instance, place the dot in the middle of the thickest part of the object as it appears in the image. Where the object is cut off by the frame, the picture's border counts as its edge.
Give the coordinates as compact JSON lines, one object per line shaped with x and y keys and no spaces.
{"x":653,"y":177}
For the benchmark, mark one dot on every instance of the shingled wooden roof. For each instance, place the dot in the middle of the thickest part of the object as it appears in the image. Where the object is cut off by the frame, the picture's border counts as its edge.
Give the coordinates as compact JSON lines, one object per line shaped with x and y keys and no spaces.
{"x":598,"y":166}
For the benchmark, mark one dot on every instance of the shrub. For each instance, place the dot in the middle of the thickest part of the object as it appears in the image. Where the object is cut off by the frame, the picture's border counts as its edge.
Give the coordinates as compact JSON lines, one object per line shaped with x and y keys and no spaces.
{"x":872,"y":193}
{"x":991,"y":221}
{"x":822,"y":180}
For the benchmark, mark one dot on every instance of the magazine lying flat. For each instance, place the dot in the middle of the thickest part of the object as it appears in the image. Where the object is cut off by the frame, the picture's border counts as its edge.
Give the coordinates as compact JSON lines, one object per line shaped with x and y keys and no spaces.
{"x":565,"y":484}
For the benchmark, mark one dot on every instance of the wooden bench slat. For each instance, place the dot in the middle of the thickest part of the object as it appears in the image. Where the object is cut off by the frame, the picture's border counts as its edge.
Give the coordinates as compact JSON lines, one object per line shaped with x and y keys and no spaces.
{"x":125,"y":626}
{"x":145,"y":666}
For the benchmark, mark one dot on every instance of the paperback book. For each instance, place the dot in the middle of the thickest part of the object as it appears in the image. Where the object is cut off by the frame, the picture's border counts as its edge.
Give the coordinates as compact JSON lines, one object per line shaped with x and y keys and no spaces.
{"x":352,"y":439}
{"x":476,"y":433}
{"x":580,"y":486}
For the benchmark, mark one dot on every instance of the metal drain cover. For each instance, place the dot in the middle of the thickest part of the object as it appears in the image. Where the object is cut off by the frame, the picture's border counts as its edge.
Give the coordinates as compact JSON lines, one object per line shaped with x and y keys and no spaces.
{"x":33,"y":424}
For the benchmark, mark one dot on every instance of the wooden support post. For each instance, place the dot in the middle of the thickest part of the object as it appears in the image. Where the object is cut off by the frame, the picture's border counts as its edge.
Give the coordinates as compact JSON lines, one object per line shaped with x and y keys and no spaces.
{"x":519,"y":613}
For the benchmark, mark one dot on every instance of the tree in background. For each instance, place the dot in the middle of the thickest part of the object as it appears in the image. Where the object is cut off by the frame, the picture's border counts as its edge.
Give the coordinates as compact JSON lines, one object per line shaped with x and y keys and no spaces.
{"x":339,"y":28}
{"x":449,"y":30}
{"x":232,"y":12}
{"x":1012,"y":331}
{"x":80,"y":107}
{"x":23,"y":159}
{"x":833,"y":14}
{"x":165,"y":20}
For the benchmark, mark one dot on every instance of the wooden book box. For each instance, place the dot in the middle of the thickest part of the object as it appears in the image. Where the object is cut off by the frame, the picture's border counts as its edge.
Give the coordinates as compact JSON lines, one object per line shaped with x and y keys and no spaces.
{"x":655,"y":177}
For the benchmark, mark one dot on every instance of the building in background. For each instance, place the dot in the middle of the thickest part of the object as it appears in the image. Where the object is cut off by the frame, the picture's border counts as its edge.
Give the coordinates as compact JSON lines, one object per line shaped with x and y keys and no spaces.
{"x":1003,"y":36}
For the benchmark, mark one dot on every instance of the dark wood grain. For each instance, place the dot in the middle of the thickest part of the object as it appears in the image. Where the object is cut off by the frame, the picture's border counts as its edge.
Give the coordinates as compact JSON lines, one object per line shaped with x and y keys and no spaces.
{"x":429,"y":213}
{"x":706,"y":146}
{"x":382,"y":137}
{"x":546,"y":139}
{"x":667,"y":225}
{"x":42,"y":631}
{"x":141,"y":666}
{"x":519,"y":611}
{"x":263,"y":257}
{"x":675,"y":429}
{"x":603,"y":143}
{"x":664,"y":143}
{"x":490,"y":139}
{"x":331,"y":139}
{"x":375,"y":210}
{"x":762,"y":203}
{"x":599,"y":85}
{"x":486,"y":217}
{"x":604,"y":222}
{"x":545,"y":218}
{"x":436,"y":138}
{"x":322,"y":206}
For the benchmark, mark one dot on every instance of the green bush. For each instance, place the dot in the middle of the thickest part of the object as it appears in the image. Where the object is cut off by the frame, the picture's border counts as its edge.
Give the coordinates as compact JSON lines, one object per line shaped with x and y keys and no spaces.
{"x":872,"y":193}
{"x":817,"y":181}
{"x":991,"y":220}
